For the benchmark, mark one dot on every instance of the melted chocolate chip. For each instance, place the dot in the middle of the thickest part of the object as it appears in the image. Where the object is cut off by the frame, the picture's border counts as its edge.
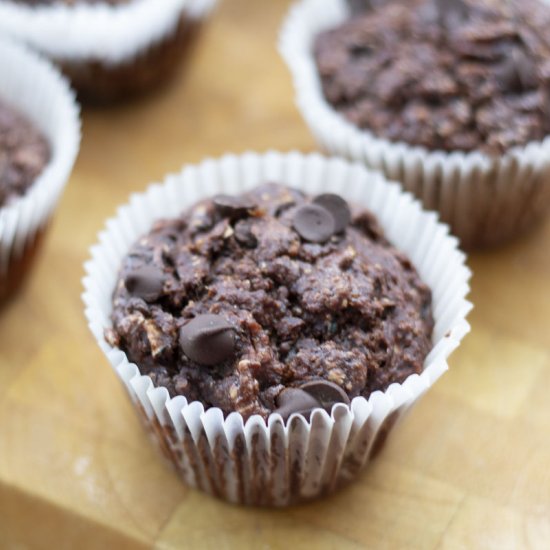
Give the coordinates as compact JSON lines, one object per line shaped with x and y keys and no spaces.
{"x":517,"y":73}
{"x":243,"y":234}
{"x":294,"y":400}
{"x":208,"y":339}
{"x":314,"y":223}
{"x":338,"y":207}
{"x":145,"y":282}
{"x":233,"y":207}
{"x":326,"y":393}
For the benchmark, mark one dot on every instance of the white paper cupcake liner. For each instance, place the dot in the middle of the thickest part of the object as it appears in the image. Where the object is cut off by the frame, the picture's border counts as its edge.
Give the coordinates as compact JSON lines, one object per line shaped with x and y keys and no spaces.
{"x":36,"y":89}
{"x":101,"y":32}
{"x":272,"y":463}
{"x":485,"y":200}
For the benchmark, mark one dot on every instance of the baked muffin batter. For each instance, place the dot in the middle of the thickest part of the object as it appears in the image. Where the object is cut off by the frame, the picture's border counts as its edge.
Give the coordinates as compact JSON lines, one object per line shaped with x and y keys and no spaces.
{"x":271,"y":301}
{"x":24,"y":153}
{"x":443,"y":74}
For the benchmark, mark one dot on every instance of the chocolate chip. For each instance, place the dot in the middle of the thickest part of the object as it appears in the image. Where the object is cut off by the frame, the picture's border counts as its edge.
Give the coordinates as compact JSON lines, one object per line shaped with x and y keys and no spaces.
{"x":517,"y":73}
{"x":243,"y":234}
{"x":208,"y":339}
{"x":527,"y":73}
{"x":201,"y":218}
{"x":146,"y":282}
{"x":338,"y":207}
{"x":507,"y":76}
{"x":233,"y":207}
{"x":326,"y":393}
{"x":294,"y":400}
{"x":314,"y":223}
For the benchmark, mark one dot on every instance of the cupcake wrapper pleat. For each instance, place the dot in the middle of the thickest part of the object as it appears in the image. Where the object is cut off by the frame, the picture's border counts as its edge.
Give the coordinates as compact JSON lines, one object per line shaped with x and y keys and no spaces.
{"x":270,"y":463}
{"x":100,"y":32}
{"x":37,"y":90}
{"x":486,"y":200}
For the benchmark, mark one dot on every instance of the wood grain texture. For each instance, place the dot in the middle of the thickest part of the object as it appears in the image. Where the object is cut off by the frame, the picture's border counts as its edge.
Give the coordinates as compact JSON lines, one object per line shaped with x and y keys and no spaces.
{"x":469,"y":468}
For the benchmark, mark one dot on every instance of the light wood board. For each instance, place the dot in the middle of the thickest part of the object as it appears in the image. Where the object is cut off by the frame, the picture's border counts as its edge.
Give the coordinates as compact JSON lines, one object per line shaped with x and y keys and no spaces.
{"x":469,"y":468}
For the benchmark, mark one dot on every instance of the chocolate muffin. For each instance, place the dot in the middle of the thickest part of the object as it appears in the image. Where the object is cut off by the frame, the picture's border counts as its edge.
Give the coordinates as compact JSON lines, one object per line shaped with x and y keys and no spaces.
{"x":148,"y":40}
{"x":443,"y":74}
{"x":271,"y":301}
{"x":24,"y":153}
{"x":39,"y":141}
{"x":100,"y":83}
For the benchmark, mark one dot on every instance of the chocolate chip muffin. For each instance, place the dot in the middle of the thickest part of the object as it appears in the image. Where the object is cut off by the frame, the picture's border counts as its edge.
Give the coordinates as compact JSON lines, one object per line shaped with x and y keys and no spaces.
{"x":271,"y":301}
{"x":443,"y":74}
{"x":24,"y":153}
{"x":39,"y":141}
{"x":148,"y":41}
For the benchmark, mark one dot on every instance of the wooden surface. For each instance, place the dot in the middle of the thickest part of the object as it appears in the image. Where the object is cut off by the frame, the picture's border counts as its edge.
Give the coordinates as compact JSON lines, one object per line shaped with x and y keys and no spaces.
{"x":469,"y":468}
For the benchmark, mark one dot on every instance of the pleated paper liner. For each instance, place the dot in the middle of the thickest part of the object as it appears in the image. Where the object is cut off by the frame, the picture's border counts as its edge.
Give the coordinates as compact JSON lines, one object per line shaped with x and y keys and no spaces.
{"x":109,"y":52}
{"x":270,"y":463}
{"x":36,"y":89}
{"x":486,"y":200}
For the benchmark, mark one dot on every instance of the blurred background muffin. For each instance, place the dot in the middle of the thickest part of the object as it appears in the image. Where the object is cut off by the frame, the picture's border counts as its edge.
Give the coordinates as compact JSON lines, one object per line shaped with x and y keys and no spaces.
{"x":39,"y":141}
{"x":449,"y":97}
{"x":110,"y":49}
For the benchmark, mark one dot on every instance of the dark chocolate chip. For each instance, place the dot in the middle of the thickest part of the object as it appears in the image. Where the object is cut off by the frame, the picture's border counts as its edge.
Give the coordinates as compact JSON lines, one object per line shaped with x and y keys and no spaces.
{"x":527,"y":73}
{"x":145,"y":282}
{"x":314,"y":223}
{"x":294,"y":400}
{"x":208,"y":339}
{"x":517,"y":73}
{"x":201,"y":218}
{"x":233,"y":207}
{"x":507,"y":76}
{"x":338,"y":207}
{"x":243,"y":234}
{"x":326,"y":393}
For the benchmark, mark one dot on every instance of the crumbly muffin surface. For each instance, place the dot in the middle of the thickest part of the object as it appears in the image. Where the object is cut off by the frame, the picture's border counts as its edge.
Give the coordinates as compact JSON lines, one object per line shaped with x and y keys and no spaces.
{"x":350,"y":310}
{"x":24,"y":153}
{"x":443,"y":74}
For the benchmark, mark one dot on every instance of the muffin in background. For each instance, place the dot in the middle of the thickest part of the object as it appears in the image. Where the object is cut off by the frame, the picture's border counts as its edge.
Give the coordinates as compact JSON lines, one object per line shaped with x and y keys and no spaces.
{"x":111,"y":50}
{"x":39,"y":141}
{"x":450,"y":98}
{"x":24,"y":153}
{"x":269,"y":456}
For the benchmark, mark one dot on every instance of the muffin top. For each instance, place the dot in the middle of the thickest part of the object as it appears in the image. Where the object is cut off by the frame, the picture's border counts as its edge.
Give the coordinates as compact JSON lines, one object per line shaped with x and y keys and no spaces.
{"x":271,"y":301}
{"x":24,"y":153}
{"x":443,"y":74}
{"x":361,"y":6}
